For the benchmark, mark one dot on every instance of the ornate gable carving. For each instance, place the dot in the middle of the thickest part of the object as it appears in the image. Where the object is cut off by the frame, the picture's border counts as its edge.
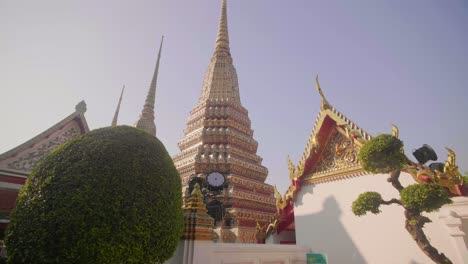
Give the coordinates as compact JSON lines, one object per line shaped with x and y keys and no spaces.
{"x":29,"y":159}
{"x":337,"y":159}
{"x":339,"y":153}
{"x":26,"y":156}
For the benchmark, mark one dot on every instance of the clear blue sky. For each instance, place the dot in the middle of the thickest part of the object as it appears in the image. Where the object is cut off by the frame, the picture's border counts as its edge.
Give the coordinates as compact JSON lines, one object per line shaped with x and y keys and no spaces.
{"x":380,"y":63}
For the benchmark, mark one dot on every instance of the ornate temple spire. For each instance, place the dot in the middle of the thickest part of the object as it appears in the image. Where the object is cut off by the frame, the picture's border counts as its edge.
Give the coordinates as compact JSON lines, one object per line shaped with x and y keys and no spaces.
{"x":146,"y":121}
{"x":220,"y":83}
{"x":116,"y":114}
{"x":222,"y":38}
{"x":219,"y":139}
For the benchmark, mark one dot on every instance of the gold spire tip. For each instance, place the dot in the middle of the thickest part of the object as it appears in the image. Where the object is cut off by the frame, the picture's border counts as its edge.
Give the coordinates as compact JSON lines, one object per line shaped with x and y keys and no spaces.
{"x":325,"y":103}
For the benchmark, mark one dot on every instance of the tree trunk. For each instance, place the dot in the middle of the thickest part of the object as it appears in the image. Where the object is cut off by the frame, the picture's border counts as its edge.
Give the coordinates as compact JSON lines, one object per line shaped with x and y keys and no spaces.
{"x":414,"y":224}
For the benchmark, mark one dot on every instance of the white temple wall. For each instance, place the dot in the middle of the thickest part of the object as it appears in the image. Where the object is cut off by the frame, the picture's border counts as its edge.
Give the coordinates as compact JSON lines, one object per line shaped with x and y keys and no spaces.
{"x":284,"y":236}
{"x":207,"y":252}
{"x":257,"y":254}
{"x":325,"y":223}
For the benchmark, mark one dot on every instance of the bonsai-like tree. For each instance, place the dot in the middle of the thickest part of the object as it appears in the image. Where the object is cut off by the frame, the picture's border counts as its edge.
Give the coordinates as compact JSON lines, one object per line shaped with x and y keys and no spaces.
{"x":110,"y":196}
{"x":383,"y":154}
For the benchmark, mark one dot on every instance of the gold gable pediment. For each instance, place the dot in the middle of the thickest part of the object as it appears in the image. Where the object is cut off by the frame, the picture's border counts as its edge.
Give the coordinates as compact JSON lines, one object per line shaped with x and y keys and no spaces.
{"x":339,"y":153}
{"x":337,"y":159}
{"x":332,"y":150}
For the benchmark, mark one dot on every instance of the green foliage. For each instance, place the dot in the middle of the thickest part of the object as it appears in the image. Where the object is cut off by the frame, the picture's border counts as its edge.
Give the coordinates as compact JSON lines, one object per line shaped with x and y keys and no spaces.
{"x":110,"y":196}
{"x":424,"y":197}
{"x":465,"y":179}
{"x":368,"y":201}
{"x":382,"y":154}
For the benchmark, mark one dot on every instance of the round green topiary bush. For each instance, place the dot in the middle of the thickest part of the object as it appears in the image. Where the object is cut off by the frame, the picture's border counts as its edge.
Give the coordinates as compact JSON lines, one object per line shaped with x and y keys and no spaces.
{"x":424,"y":197}
{"x":367,"y":202}
{"x":110,"y":196}
{"x":382,"y":154}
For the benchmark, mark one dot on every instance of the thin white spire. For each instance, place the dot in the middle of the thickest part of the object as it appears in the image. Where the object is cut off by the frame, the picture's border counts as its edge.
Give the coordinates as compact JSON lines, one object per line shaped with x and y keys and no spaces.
{"x":117,"y":110}
{"x":146,"y":121}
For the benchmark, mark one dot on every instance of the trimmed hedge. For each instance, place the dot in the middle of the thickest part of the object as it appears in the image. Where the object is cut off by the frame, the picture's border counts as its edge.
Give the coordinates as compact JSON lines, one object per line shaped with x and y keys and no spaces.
{"x":367,"y":202}
{"x":424,"y":197}
{"x":382,"y":154}
{"x":110,"y":196}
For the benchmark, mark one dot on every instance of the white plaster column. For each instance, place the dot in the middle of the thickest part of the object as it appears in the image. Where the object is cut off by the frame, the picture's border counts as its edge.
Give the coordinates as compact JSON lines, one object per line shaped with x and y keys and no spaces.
{"x":451,"y":217}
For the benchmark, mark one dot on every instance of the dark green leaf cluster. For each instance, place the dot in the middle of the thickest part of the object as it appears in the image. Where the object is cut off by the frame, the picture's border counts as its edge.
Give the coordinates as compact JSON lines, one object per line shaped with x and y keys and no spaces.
{"x":110,"y":196}
{"x":368,"y":201}
{"x":382,"y":154}
{"x":424,"y":197}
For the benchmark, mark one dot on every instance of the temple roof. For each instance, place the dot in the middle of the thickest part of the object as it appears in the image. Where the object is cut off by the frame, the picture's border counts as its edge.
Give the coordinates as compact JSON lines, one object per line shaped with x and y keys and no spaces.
{"x":331,"y":153}
{"x":332,"y":127}
{"x":23,"y":158}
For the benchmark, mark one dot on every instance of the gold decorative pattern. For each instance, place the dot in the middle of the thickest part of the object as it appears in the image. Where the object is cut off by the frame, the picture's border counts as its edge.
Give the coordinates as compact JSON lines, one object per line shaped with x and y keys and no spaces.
{"x":395,"y":131}
{"x":334,"y":175}
{"x":451,"y":169}
{"x":283,"y":201}
{"x":338,"y":154}
{"x":250,"y":184}
{"x":198,"y":224}
{"x":449,"y":178}
{"x":252,"y":196}
{"x":295,"y":171}
{"x":250,"y":215}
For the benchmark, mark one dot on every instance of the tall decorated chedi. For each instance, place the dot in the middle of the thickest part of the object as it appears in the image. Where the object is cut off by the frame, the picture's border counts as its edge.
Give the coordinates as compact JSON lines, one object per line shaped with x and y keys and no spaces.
{"x":218,"y":152}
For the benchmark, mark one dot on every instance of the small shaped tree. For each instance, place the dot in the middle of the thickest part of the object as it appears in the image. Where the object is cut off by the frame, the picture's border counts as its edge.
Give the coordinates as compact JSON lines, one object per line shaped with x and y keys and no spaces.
{"x":383,"y":155}
{"x":110,"y":196}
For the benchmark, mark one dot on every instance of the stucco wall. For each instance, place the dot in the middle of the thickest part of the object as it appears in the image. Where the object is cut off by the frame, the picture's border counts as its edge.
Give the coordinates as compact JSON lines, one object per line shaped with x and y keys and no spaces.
{"x":207,"y":252}
{"x":325,"y":223}
{"x":257,"y":254}
{"x":285,"y":236}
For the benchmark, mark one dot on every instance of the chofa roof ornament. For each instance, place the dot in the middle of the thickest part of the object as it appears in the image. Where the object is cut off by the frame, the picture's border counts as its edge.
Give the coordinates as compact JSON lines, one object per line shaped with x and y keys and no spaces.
{"x":324,"y":105}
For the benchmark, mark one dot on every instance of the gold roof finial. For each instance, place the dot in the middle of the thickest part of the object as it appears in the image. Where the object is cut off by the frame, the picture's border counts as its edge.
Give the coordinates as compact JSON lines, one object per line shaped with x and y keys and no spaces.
{"x":196,"y":192}
{"x":325,"y":104}
{"x":395,"y":131}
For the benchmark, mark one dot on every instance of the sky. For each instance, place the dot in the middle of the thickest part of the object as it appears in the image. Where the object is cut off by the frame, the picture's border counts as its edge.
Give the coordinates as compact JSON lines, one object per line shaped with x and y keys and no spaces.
{"x":379,"y":62}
